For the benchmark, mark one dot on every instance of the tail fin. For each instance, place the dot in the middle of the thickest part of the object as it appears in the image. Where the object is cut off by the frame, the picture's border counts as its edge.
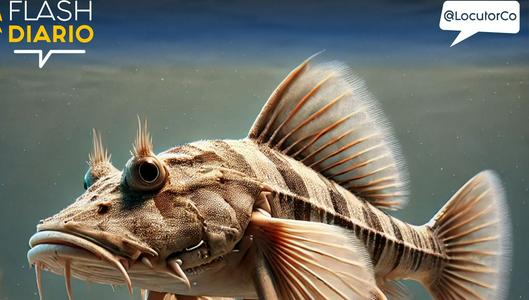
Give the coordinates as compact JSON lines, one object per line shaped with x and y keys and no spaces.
{"x":474,"y":228}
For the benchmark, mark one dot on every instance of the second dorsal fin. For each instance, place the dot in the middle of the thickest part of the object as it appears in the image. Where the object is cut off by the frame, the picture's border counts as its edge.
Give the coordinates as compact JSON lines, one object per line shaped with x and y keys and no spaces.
{"x":324,"y":117}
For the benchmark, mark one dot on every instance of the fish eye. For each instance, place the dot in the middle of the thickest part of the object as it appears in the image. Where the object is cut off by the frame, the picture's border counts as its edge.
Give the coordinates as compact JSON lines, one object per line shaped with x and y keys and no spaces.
{"x":88,"y":179}
{"x":148,"y":171}
{"x":145,"y":174}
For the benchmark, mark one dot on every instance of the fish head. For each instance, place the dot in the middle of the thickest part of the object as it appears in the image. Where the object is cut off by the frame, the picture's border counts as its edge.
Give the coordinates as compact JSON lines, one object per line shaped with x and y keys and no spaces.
{"x":162,"y":223}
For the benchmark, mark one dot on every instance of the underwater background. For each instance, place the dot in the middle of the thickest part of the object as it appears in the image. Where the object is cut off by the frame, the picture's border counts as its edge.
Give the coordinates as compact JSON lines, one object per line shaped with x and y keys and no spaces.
{"x":203,"y":69}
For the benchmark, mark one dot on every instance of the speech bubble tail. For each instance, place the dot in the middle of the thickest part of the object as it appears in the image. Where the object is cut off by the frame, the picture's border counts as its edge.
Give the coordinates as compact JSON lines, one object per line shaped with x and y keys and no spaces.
{"x":43,"y":57}
{"x":463,"y":35}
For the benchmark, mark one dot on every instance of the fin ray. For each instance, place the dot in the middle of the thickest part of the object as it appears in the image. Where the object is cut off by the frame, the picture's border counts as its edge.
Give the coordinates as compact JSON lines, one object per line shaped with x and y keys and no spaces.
{"x":324,"y":117}
{"x":474,"y":228}
{"x":320,"y":260}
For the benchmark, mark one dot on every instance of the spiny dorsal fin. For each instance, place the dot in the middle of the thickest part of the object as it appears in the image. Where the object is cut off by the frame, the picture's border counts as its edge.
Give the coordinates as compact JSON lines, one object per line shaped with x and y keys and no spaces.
{"x":143,"y":143}
{"x":99,"y":154}
{"x":325,"y":117}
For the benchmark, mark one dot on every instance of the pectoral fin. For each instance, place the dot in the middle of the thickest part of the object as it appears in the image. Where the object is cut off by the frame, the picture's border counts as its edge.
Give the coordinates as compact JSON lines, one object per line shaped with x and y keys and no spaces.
{"x":307,"y":260}
{"x":264,"y":282}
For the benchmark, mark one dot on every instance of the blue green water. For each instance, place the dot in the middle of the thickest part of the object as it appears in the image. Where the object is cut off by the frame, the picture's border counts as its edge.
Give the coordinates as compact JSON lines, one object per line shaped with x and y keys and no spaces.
{"x":455,"y":111}
{"x":452,"y":121}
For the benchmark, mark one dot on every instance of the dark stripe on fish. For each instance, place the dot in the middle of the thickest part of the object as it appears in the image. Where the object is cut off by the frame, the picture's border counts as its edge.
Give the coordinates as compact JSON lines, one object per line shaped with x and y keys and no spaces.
{"x":419,"y":260}
{"x":380,"y":244}
{"x":301,"y":210}
{"x":318,"y":214}
{"x":420,"y":254}
{"x":234,"y":159}
{"x":286,"y":206}
{"x":400,"y":252}
{"x":364,"y":235}
{"x":374,"y":222}
{"x":366,"y":217}
{"x":399,"y":245}
{"x":415,"y":254}
{"x":435,"y":249}
{"x":292,"y":179}
{"x":339,"y":203}
{"x":329,"y":217}
{"x":396,"y":230}
{"x":368,"y":221}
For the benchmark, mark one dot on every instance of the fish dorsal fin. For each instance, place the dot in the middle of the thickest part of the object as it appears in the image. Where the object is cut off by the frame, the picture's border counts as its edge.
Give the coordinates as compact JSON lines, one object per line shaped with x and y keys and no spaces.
{"x":323,"y":116}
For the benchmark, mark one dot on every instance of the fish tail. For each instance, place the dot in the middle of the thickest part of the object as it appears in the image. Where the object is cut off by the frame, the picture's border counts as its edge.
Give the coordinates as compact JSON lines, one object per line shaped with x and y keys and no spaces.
{"x":474,"y":230}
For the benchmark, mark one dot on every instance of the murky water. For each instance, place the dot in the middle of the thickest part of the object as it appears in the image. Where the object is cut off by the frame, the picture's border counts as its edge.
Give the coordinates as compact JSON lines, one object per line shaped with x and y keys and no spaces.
{"x":452,"y":120}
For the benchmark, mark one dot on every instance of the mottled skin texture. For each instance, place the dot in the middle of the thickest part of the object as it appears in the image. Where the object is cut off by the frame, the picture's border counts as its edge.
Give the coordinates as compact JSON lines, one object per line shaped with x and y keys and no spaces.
{"x":201,"y":200}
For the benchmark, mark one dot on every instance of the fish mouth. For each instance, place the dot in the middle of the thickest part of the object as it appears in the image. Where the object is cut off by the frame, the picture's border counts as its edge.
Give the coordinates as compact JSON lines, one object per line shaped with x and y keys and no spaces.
{"x":83,"y":257}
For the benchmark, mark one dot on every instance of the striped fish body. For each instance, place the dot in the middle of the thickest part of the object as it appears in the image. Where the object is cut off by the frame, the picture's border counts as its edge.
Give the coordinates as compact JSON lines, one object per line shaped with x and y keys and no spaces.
{"x":327,"y":169}
{"x":397,"y":249}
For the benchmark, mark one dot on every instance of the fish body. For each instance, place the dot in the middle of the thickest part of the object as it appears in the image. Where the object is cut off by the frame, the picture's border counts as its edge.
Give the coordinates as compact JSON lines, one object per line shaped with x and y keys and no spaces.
{"x":297,"y":210}
{"x":298,"y":192}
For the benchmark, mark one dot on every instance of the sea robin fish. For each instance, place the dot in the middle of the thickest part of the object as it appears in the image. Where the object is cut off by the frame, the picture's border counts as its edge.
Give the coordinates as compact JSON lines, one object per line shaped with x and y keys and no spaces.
{"x":297,"y":210}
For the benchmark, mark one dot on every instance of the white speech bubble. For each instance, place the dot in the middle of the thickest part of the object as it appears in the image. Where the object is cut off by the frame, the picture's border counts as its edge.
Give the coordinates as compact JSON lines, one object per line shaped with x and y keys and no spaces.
{"x":44,"y":58}
{"x":471,"y":17}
